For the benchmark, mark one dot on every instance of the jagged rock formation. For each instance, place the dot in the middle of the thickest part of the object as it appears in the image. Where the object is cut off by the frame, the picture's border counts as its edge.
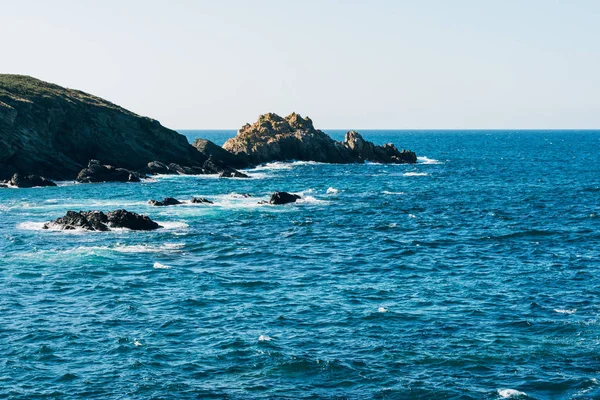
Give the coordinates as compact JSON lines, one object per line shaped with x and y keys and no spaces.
{"x":273,"y":138}
{"x":29,"y":181}
{"x":210,"y":166}
{"x":96,"y":172}
{"x":49,"y":130}
{"x":98,"y":221}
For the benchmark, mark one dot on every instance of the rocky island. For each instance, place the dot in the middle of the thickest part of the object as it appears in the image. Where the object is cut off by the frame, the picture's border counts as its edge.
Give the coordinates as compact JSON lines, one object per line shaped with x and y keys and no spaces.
{"x":273,"y":138}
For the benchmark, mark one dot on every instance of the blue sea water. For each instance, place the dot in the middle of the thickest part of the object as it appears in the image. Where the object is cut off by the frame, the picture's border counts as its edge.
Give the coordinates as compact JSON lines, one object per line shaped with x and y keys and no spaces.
{"x":471,"y":275}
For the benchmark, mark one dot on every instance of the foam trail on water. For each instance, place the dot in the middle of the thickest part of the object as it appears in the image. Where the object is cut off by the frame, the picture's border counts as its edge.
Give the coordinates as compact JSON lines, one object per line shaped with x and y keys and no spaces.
{"x":396,"y":193}
{"x":510,"y":393}
{"x":158,"y":265}
{"x":565,"y":311}
{"x":427,"y":160}
{"x":415,"y":174}
{"x":264,"y":338}
{"x":332,"y":190}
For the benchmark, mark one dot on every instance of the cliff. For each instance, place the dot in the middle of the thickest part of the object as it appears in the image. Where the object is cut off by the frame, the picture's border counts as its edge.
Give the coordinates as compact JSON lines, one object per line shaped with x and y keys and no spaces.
{"x":52,"y":131}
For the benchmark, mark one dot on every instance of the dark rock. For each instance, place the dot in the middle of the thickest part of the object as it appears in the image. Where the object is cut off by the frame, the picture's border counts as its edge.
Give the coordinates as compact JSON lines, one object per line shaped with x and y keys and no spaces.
{"x":283,"y":198}
{"x":129,"y":220}
{"x":183,"y":170}
{"x":98,"y":221}
{"x":273,"y":138}
{"x":156,"y":167}
{"x":167,"y":201}
{"x":29,"y":181}
{"x":96,"y":172}
{"x":215,"y":152}
{"x":87,"y":220}
{"x":212,"y":166}
{"x":201,"y":200}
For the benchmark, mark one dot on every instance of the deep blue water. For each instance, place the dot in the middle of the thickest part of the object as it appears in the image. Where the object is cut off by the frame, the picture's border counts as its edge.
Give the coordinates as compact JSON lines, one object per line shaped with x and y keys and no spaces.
{"x":472,"y":275}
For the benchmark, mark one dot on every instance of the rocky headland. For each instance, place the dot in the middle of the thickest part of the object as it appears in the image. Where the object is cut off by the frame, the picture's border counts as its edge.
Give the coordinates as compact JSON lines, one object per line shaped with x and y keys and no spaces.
{"x":52,"y":131}
{"x":273,"y":138}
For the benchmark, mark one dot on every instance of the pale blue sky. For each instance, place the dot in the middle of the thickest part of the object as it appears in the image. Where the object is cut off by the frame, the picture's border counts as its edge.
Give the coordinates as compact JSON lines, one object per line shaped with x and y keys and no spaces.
{"x":347,"y":64}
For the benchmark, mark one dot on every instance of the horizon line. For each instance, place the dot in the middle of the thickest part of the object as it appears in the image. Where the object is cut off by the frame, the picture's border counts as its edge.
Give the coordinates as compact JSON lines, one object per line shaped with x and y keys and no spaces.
{"x":414,"y":129}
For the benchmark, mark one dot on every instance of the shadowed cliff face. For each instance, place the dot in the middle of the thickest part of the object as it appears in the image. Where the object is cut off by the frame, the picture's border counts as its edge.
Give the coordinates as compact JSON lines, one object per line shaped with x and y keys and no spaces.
{"x":273,"y":138}
{"x":52,"y":131}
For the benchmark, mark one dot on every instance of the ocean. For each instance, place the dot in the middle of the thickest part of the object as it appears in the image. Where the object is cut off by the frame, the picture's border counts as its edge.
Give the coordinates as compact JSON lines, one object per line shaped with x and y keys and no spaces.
{"x":474,"y":274}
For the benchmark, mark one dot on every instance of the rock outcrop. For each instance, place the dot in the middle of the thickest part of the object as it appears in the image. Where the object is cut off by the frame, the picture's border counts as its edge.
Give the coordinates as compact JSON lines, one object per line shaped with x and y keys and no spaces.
{"x":201,"y":200}
{"x":273,"y":138}
{"x":167,"y":201}
{"x":29,"y":181}
{"x":279,"y":198}
{"x":213,"y":166}
{"x":99,"y":221}
{"x":215,"y":152}
{"x":52,"y":131}
{"x":96,"y":172}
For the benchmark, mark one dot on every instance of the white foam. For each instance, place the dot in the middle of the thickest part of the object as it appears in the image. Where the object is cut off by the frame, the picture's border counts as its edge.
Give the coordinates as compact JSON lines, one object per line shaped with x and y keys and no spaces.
{"x":412,"y":216}
{"x":395,"y":193}
{"x":273,"y":166}
{"x":415,"y":174}
{"x":332,"y":190}
{"x":158,"y":265}
{"x":382,"y":310}
{"x":311,"y":200}
{"x":509,"y":393}
{"x":264,"y":338}
{"x":427,"y":160}
{"x":136,"y":343}
{"x":31,"y":226}
{"x":565,"y":311}
{"x":173,"y":225}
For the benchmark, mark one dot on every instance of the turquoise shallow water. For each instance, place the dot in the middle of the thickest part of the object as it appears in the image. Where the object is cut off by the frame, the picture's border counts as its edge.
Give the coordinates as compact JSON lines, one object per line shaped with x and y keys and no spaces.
{"x":472,"y":275}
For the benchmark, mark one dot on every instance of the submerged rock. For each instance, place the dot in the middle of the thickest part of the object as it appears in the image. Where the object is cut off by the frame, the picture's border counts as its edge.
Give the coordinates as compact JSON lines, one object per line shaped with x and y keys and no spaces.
{"x":96,"y":172}
{"x":283,"y":198}
{"x":99,"y":221}
{"x":273,"y":138}
{"x":201,"y":200}
{"x":29,"y":181}
{"x":167,"y":201}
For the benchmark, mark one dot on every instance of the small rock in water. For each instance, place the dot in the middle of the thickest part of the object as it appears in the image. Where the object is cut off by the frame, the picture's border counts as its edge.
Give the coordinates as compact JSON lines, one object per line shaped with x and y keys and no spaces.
{"x":96,"y":172}
{"x":283,"y":198}
{"x":29,"y":181}
{"x":167,"y":201}
{"x":201,"y":200}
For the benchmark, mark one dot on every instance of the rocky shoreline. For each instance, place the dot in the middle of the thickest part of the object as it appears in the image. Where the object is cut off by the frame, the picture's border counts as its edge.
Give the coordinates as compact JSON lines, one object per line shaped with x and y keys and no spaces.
{"x":56,"y":133}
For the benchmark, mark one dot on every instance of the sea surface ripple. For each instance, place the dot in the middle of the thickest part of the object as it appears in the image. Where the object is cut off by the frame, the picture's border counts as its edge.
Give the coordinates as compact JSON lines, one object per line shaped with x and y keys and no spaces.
{"x":471,"y":275}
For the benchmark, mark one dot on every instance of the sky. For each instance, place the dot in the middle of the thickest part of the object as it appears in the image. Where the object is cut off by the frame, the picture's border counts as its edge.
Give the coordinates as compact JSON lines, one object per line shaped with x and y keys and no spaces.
{"x":379,"y":64}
